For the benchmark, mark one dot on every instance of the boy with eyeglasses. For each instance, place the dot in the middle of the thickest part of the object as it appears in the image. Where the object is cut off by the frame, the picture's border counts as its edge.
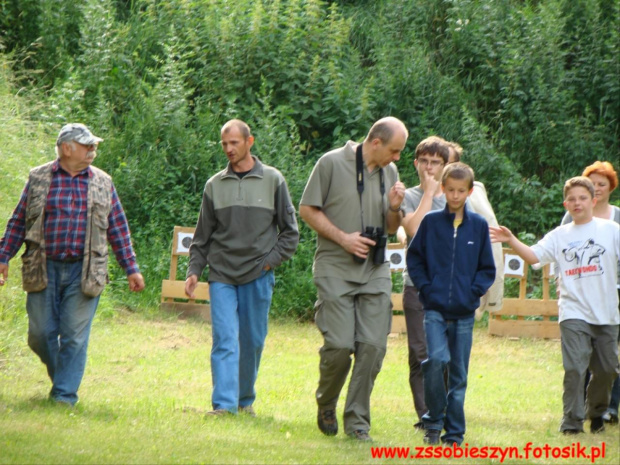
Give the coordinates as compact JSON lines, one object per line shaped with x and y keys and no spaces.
{"x":431,"y":155}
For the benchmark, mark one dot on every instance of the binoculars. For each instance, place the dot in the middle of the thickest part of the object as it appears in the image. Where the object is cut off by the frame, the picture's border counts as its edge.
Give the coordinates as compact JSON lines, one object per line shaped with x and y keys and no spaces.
{"x":378,"y":250}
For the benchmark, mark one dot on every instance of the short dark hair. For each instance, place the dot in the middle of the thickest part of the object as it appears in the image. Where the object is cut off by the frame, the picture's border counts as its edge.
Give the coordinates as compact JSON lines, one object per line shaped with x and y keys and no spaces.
{"x":433,"y":145}
{"x":579,"y":181}
{"x":458,"y":171}
{"x":243,"y":127}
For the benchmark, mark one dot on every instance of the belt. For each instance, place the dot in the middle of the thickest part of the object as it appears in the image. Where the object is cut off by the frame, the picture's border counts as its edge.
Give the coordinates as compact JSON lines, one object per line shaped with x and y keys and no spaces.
{"x":67,"y":259}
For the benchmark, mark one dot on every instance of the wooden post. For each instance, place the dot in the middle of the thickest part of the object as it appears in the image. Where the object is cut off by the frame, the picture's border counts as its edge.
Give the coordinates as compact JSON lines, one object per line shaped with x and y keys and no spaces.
{"x":173,"y":296}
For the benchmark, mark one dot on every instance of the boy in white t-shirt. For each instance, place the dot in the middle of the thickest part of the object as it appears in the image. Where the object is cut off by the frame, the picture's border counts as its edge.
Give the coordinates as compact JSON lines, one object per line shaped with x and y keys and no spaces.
{"x":586,"y":251}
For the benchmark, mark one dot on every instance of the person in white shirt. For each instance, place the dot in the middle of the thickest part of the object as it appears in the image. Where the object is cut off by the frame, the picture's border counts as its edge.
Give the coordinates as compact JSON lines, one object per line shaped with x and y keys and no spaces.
{"x":586,"y":251}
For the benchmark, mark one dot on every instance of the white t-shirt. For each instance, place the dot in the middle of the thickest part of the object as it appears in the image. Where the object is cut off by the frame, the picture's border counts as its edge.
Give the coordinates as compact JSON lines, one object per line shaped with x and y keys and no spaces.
{"x":587,"y":255}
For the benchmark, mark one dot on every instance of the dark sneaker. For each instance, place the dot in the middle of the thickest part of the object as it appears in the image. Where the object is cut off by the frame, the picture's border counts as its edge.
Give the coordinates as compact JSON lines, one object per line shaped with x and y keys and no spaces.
{"x":218,"y":412}
{"x":360,"y":435}
{"x":431,"y":436}
{"x":571,"y":432}
{"x":419,"y":426}
{"x":327,"y":421}
{"x":248,"y":410}
{"x":610,"y":417}
{"x":450,"y":443}
{"x":597,"y":425}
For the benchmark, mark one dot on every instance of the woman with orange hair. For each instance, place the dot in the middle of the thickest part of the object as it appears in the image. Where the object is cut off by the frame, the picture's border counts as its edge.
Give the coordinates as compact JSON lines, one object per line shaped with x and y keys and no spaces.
{"x":605,"y":180}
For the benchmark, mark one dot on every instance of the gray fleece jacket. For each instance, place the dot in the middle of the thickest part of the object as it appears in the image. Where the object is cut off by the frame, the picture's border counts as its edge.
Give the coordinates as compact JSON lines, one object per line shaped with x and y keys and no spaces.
{"x":244,"y":225}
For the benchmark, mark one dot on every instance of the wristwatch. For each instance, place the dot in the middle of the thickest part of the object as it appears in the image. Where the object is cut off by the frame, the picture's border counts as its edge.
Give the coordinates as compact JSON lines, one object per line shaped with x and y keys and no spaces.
{"x":399,"y":209}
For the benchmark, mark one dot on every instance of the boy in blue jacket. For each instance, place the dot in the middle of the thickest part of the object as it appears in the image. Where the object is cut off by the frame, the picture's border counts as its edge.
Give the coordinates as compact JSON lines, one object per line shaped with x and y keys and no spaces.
{"x":450,"y":261}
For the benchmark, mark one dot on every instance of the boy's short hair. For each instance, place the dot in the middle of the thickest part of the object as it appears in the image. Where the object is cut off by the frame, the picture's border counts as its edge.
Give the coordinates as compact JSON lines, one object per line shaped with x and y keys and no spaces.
{"x":458,"y":150}
{"x":433,"y":145}
{"x":579,"y":181}
{"x":604,"y":168}
{"x":458,"y":171}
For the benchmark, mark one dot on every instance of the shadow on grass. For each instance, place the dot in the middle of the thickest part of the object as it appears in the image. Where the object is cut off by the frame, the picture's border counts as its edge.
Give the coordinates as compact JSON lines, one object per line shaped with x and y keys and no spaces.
{"x":40,"y":404}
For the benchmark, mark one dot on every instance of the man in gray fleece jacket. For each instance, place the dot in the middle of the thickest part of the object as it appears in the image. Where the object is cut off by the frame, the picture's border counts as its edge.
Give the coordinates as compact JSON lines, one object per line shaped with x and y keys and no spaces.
{"x":246,"y":228}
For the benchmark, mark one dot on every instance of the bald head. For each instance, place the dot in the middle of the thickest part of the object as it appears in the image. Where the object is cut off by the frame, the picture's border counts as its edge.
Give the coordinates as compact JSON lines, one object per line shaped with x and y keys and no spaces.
{"x":385,"y":128}
{"x":384,"y":142}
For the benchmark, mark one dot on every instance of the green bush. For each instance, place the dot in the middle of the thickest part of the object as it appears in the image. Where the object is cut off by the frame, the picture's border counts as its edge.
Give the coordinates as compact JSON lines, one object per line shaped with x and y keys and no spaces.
{"x":529,"y":89}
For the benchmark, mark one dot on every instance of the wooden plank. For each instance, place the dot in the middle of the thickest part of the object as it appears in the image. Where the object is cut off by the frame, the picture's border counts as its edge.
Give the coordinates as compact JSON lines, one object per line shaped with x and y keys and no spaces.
{"x":185,"y":310}
{"x":176,"y":290}
{"x":524,"y":328}
{"x":398,"y":324}
{"x":397,"y":302}
{"x":528,"y":307}
{"x":174,"y":260}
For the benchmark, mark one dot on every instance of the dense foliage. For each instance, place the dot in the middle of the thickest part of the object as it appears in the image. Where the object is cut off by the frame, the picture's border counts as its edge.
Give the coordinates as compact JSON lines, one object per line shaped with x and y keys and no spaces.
{"x":530,"y":90}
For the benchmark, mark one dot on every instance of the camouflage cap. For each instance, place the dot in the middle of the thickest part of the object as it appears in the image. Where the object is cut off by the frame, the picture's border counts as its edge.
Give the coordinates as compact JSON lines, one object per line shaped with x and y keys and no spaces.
{"x":77,"y":132}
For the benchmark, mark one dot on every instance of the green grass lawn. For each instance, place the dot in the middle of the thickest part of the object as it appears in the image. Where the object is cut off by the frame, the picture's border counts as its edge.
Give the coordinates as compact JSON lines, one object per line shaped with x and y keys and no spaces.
{"x":148,"y":383}
{"x":147,"y":386}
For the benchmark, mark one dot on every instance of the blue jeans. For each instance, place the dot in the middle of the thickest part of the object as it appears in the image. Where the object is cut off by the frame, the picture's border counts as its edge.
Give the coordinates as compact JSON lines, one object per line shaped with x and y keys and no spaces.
{"x":449,"y":346}
{"x":239,"y":318}
{"x":59,"y":322}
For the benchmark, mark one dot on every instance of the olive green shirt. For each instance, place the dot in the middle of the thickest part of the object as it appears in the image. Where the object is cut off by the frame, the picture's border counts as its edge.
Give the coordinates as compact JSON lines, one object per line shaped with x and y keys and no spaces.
{"x":332,"y":187}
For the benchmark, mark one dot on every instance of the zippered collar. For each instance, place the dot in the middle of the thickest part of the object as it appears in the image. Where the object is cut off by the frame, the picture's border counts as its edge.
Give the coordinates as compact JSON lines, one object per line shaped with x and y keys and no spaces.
{"x":450,"y":216}
{"x":256,"y":171}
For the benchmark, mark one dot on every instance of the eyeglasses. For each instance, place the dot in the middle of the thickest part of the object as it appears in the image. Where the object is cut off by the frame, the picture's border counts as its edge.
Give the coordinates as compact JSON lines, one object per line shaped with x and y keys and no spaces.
{"x":433,"y":163}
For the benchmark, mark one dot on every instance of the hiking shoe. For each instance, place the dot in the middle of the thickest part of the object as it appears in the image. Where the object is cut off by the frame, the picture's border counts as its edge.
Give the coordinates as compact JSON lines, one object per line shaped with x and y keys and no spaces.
{"x":610,"y":417}
{"x":571,"y":432}
{"x":218,"y":412}
{"x":431,"y":436}
{"x":360,"y":435}
{"x":597,"y":425}
{"x":450,"y":443}
{"x":327,"y":421}
{"x":419,"y":426}
{"x":247,"y":410}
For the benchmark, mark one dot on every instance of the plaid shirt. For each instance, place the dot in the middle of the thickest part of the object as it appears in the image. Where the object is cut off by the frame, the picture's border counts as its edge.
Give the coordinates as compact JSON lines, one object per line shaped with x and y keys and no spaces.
{"x":65,"y":222}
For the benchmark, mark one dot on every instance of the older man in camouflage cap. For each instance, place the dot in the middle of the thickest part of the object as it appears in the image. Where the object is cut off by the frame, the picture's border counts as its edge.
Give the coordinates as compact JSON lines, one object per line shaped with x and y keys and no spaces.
{"x":67,"y":214}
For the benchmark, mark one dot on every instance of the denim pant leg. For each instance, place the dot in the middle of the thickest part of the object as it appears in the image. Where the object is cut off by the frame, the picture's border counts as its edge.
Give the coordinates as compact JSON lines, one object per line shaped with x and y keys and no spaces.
{"x":254,"y":303}
{"x":225,"y":349}
{"x":460,"y":334}
{"x":60,"y":319}
{"x":433,"y":367}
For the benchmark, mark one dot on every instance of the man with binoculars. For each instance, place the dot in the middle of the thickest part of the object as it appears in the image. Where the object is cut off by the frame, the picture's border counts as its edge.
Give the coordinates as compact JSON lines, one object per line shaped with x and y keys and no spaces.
{"x":352,"y":200}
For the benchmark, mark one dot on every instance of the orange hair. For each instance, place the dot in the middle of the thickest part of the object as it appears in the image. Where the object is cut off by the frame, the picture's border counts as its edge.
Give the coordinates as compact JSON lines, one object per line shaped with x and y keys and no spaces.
{"x":603,"y":168}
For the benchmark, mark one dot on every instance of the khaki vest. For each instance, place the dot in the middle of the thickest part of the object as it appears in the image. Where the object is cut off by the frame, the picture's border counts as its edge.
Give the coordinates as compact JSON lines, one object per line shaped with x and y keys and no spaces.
{"x":99,"y":204}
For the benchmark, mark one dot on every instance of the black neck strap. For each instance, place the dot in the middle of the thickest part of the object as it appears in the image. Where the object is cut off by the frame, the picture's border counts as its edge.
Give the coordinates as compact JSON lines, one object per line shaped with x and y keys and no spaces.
{"x":359,"y":167}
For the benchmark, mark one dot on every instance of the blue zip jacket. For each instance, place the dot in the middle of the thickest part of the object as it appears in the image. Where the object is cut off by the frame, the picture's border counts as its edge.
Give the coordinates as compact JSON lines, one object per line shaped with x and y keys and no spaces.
{"x":451,"y":268}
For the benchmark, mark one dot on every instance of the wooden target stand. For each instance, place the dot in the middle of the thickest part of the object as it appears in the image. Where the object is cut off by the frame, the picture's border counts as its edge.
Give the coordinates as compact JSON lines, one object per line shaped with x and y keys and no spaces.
{"x":396,"y":254}
{"x":516,"y":318}
{"x":173,"y":298}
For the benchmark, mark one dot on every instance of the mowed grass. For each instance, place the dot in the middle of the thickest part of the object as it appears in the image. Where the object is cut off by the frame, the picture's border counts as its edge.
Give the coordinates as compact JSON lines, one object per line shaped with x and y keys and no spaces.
{"x":148,"y":384}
